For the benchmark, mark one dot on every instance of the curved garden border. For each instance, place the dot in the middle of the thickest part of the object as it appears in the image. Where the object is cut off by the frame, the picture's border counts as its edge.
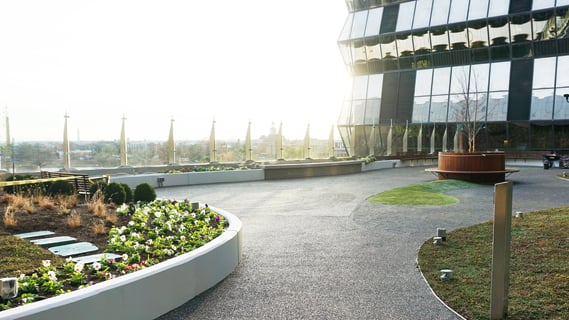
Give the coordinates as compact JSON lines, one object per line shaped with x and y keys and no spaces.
{"x":148,"y":293}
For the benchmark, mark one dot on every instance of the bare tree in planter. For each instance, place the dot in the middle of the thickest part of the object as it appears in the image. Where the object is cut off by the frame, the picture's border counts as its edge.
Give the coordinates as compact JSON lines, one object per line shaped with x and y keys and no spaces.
{"x":469,"y":110}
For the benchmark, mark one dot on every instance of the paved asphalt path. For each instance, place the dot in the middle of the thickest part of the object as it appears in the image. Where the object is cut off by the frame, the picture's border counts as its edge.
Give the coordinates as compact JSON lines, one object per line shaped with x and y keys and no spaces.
{"x":316,"y":249}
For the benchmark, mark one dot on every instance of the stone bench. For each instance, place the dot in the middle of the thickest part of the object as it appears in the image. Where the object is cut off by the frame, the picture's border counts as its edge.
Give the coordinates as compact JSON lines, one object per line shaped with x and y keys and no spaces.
{"x":34,"y":234}
{"x":73,"y":249}
{"x":54,"y":241}
{"x":97,"y":257}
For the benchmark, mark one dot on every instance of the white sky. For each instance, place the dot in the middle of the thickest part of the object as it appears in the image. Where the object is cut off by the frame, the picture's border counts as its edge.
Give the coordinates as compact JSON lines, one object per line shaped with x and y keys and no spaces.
{"x":192,"y":60}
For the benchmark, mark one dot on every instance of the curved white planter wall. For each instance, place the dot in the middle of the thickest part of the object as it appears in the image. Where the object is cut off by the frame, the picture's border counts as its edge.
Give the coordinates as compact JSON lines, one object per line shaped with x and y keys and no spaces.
{"x":148,"y":293}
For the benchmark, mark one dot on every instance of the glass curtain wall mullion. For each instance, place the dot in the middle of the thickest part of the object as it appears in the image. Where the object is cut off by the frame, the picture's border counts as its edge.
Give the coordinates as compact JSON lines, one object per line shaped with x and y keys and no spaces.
{"x":359,"y":24}
{"x":422,"y":14}
{"x":440,"y":12}
{"x":458,"y":11}
{"x":561,"y":88}
{"x":498,"y":8}
{"x":347,"y":29}
{"x":478,"y":9}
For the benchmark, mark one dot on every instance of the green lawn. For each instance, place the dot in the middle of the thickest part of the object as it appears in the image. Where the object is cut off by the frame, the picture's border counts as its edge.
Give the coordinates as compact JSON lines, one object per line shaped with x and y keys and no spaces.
{"x":422,"y":194}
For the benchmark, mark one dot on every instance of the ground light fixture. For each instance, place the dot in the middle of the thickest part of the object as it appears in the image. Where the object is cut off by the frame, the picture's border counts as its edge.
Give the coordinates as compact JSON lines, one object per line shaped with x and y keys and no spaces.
{"x":8,"y":288}
{"x":446,"y":274}
{"x":442,"y":232}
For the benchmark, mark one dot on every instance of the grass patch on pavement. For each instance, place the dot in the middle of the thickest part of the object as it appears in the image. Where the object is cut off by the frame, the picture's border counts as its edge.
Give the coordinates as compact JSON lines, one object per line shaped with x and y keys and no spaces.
{"x":422,"y":194}
{"x":539,"y":267}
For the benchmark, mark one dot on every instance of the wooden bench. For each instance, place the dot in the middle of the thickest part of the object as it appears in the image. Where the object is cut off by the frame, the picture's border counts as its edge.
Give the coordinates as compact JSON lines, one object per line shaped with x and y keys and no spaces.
{"x":35,"y":234}
{"x":73,"y":249}
{"x":81,"y":182}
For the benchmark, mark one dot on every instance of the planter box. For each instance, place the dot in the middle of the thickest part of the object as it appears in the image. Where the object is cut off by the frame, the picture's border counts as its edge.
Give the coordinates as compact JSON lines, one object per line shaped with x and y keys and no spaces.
{"x":148,"y":293}
{"x":306,"y":170}
{"x":479,"y":167}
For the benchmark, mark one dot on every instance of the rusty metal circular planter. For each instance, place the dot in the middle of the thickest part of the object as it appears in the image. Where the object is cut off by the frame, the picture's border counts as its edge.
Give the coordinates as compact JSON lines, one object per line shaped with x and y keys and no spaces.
{"x":479,"y":167}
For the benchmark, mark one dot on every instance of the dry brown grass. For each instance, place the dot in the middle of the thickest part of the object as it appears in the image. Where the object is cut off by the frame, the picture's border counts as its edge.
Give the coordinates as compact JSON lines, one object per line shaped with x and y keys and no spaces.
{"x":74,"y":220}
{"x":99,"y":227}
{"x":63,"y":210}
{"x":19,"y":201}
{"x":9,"y":220}
{"x":67,"y":201}
{"x":46,"y":203}
{"x":97,"y":205}
{"x":6,"y":198}
{"x":112,"y":218}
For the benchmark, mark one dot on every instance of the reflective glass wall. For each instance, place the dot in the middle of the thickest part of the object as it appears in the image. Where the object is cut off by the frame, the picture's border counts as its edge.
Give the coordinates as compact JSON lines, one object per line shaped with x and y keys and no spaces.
{"x":417,"y":65}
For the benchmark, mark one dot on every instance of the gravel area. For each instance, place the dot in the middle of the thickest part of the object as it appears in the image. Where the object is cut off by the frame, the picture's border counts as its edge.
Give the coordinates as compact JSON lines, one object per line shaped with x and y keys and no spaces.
{"x":316,"y":249}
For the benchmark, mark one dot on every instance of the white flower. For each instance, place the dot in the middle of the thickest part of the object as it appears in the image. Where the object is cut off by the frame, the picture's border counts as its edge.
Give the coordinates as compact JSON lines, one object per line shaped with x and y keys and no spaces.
{"x":123,"y":238}
{"x":96,"y":265}
{"x":182,"y":238}
{"x":157,"y":214}
{"x":79,"y":267}
{"x":125,"y":257}
{"x":22,"y":276}
{"x":131,"y":223}
{"x":149,"y":242}
{"x":52,"y":276}
{"x":123,"y":208}
{"x":46,"y":263}
{"x":69,"y":259}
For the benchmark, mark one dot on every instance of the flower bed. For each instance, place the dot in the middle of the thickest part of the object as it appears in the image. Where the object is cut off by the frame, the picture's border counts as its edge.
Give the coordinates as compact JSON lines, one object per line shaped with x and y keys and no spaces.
{"x":158,"y":231}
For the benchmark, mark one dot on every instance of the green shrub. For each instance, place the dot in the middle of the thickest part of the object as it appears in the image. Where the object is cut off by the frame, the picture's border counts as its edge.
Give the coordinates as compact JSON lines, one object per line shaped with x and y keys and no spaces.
{"x":34,"y":188}
{"x":115,"y":193}
{"x":99,"y":185}
{"x":61,"y":187}
{"x":144,"y":192}
{"x":128,"y":193}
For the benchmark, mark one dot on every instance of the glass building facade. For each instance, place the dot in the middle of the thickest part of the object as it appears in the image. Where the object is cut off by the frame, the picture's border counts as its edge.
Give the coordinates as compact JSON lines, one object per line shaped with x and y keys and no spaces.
{"x":416,"y":64}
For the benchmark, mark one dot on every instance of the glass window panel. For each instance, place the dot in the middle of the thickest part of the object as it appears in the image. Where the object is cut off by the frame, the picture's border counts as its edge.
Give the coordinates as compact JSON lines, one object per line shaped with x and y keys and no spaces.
{"x":458,"y":36}
{"x":542,"y":4}
{"x":388,"y":47}
{"x":499,"y":31}
{"x":561,"y":105}
{"x":479,"y":74}
{"x":405,"y":44}
{"x":439,"y":15}
{"x":477,"y":105}
{"x":544,"y":26}
{"x":422,"y":14}
{"x":439,"y":39}
{"x":562,"y":3}
{"x":458,"y":10}
{"x":345,"y":35}
{"x":562,"y":74}
{"x":405,"y":17}
{"x":498,"y":8}
{"x":439,"y":106}
{"x":421,"y":109}
{"x":358,"y":111}
{"x":543,"y":73}
{"x":358,"y":52}
{"x":497,"y":106}
{"x":372,"y":111}
{"x":520,"y":27}
{"x":421,"y":41}
{"x":360,"y":87}
{"x":346,"y":52}
{"x":500,"y":76}
{"x":373,"y":22}
{"x":359,"y":25}
{"x":345,"y":113}
{"x":374,"y":86}
{"x":478,"y":9}
{"x":423,"y":82}
{"x":457,"y":107}
{"x":441,"y":78}
{"x":373,"y":52}
{"x":541,"y":104}
{"x":459,"y":80}
{"x":478,"y":35}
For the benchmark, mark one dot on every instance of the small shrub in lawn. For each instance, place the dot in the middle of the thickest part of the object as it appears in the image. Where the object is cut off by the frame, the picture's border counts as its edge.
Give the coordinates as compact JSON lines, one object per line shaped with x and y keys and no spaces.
{"x":144,"y":192}
{"x":61,"y":187}
{"x":115,"y":193}
{"x":128,"y":193}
